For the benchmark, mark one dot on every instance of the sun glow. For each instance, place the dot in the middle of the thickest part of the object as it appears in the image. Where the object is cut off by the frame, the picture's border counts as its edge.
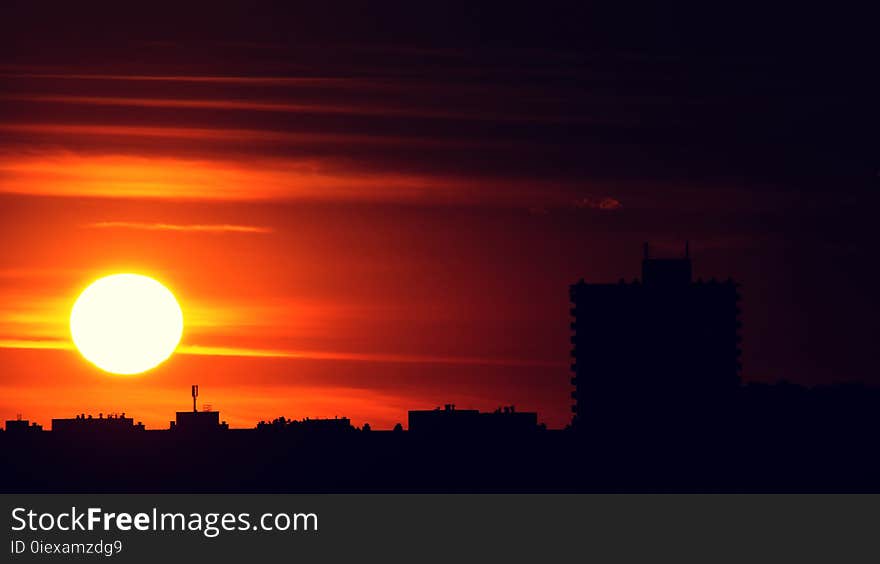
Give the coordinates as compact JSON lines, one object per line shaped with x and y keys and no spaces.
{"x":126,"y":323}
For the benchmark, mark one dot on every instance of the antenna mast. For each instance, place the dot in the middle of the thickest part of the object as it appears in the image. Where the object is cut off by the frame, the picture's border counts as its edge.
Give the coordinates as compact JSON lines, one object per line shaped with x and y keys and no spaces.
{"x":195,"y":394}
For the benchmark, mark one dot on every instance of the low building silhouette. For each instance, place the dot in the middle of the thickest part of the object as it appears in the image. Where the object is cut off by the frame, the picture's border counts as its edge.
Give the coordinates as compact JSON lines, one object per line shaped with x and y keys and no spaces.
{"x":308,"y":425}
{"x":326,"y":425}
{"x":446,"y":420}
{"x":197,"y":422}
{"x":88,"y":424}
{"x":452,"y":421}
{"x":22,"y":427}
{"x":508,"y":420}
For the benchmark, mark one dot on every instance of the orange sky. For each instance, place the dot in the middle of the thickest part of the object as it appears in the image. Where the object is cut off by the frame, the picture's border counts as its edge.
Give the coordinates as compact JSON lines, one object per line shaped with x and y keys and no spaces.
{"x":315,"y":321}
{"x":312,"y":284}
{"x":364,"y":224}
{"x":340,"y":243}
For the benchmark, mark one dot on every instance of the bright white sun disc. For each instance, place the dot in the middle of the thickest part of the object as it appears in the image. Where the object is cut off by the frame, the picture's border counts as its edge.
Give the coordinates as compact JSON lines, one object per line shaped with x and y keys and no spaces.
{"x":126,"y":323}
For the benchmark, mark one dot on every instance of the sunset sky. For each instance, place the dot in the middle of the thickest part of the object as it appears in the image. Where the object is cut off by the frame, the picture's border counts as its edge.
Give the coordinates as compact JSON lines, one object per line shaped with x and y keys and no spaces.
{"x":365,"y":211}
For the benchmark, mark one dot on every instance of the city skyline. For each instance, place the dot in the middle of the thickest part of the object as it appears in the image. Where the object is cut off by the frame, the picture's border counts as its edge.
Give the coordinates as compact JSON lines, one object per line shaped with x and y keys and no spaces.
{"x":658,"y":406}
{"x":687,"y":332}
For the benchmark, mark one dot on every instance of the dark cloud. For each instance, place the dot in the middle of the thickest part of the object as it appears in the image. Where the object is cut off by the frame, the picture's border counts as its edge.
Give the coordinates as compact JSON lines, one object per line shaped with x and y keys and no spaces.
{"x":603,"y":204}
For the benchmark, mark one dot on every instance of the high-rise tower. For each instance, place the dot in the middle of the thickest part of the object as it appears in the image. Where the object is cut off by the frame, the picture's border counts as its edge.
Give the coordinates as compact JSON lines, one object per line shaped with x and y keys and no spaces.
{"x":663,"y":348}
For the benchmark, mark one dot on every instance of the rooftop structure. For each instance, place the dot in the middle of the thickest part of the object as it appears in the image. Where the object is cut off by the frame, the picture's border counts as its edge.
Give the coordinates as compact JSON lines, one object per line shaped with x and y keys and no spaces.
{"x":195,"y":421}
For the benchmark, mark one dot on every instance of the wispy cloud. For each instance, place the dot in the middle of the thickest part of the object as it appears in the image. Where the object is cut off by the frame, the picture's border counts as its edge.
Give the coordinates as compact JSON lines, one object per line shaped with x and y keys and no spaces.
{"x":71,"y":174}
{"x":196,"y":227}
{"x":391,"y":358}
{"x":36,"y":344}
{"x":234,"y":135}
{"x":381,"y":109}
{"x":221,"y":79}
{"x":67,"y":173}
{"x":25,"y":272}
{"x":209,"y":104}
{"x":253,"y":106}
{"x":23,"y":318}
{"x":364,"y":357}
{"x":603,"y":204}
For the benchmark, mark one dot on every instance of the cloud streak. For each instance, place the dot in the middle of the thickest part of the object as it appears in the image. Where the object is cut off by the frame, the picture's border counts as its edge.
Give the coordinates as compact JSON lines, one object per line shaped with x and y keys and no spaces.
{"x":236,"y":135}
{"x":71,"y":174}
{"x":602,"y":204}
{"x":209,"y":79}
{"x":195,"y":227}
{"x":390,"y":358}
{"x":375,"y":109}
{"x":214,"y":104}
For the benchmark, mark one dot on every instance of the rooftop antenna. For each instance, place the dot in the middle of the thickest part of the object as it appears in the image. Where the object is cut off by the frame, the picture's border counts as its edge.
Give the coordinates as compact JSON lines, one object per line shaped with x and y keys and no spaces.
{"x":195,"y":394}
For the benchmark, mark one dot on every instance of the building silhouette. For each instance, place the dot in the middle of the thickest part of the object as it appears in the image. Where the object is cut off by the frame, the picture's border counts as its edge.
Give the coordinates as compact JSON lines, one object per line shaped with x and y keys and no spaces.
{"x":452,"y":421}
{"x":19,"y":427}
{"x":100,"y":425}
{"x":659,"y":408}
{"x":195,"y":421}
{"x":656,"y":352}
{"x":314,"y":426}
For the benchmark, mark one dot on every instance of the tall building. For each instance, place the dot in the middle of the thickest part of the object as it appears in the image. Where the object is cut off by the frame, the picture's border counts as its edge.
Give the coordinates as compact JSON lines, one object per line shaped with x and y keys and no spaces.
{"x":653,"y":351}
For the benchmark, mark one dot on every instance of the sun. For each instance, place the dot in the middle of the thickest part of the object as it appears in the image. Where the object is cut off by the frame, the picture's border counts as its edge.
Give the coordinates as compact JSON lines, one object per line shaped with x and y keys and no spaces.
{"x":126,"y":323}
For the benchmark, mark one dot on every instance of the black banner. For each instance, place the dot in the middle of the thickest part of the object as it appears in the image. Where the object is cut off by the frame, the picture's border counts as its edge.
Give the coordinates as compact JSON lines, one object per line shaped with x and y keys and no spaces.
{"x":452,"y":528}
